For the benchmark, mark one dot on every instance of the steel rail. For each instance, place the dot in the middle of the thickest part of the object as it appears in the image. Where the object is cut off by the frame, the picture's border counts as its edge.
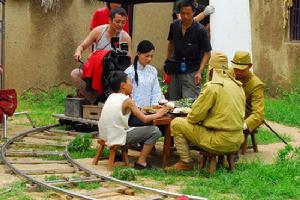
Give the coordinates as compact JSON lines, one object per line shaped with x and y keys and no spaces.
{"x":40,"y":183}
{"x":133,"y":185}
{"x":78,"y":166}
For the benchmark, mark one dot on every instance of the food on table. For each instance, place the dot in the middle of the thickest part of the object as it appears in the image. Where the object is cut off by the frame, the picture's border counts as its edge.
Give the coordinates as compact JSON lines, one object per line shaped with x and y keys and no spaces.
{"x":170,"y":104}
{"x":163,"y":101}
{"x":183,"y":110}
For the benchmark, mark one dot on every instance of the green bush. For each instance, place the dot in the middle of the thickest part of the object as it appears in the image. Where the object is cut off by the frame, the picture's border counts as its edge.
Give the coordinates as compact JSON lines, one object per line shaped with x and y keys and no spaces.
{"x":122,"y":173}
{"x":81,"y":143}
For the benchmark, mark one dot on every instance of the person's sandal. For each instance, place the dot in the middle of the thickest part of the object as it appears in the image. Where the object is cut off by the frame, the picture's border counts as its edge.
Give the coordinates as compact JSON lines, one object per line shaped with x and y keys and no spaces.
{"x":141,"y":167}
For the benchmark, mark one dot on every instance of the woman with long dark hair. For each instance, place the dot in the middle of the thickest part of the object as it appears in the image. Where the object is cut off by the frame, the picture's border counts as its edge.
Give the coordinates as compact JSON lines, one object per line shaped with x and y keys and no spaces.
{"x":146,"y":89}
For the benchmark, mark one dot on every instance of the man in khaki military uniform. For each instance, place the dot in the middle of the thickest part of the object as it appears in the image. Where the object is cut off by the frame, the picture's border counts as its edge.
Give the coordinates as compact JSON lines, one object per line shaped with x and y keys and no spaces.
{"x":253,"y":88}
{"x":216,"y":120}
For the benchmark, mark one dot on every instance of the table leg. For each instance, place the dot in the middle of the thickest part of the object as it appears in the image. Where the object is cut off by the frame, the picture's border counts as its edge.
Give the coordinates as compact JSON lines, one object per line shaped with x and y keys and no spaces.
{"x":167,"y":145}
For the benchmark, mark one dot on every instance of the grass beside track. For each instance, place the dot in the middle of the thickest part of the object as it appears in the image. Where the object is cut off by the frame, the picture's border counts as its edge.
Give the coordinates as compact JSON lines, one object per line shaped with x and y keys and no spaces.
{"x":42,"y":105}
{"x":286,"y":109}
{"x":252,"y":180}
{"x":14,"y":191}
{"x":265,"y":136}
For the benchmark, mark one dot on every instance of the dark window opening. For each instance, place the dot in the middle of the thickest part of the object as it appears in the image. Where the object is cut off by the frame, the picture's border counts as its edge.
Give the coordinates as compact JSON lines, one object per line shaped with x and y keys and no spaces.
{"x":295,"y":20}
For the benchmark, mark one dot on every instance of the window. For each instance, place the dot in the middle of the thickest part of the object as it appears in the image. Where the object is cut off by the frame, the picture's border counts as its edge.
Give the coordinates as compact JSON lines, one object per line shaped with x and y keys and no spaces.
{"x":295,"y":20}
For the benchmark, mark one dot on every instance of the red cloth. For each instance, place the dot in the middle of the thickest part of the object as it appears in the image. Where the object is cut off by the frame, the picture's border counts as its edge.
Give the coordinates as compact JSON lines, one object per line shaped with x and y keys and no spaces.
{"x":93,"y":68}
{"x":101,"y":17}
{"x":8,"y":102}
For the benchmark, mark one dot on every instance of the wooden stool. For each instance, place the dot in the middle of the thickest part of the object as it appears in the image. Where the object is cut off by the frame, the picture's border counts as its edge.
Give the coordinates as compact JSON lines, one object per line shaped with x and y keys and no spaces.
{"x":112,"y":153}
{"x":244,"y":146}
{"x":213,"y":159}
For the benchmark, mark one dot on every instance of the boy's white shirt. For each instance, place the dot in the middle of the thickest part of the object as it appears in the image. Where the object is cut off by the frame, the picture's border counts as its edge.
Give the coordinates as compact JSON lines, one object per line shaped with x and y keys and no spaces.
{"x":113,"y":124}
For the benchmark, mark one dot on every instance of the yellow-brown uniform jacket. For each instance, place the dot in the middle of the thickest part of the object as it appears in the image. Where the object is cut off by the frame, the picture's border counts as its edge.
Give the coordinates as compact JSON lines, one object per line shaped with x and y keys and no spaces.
{"x":254,"y":91}
{"x":220,"y":109}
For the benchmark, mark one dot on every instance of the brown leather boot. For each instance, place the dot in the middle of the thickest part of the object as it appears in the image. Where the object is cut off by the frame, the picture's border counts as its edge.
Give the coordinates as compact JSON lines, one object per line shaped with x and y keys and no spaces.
{"x":180,"y":166}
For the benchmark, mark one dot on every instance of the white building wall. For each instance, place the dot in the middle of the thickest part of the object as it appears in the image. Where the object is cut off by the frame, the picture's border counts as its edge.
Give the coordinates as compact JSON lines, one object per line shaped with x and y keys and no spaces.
{"x":230,"y":26}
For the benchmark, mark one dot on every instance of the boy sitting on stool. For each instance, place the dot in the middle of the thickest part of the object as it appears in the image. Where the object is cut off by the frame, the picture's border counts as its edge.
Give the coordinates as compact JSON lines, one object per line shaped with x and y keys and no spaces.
{"x":113,"y":123}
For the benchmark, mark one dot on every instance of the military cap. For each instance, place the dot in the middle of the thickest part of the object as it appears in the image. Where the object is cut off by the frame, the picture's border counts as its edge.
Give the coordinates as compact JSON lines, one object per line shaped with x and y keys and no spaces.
{"x":241,"y":60}
{"x":218,"y":60}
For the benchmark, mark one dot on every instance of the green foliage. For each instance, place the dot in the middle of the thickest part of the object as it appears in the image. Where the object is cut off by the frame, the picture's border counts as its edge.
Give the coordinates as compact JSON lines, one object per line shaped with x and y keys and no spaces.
{"x":41,"y":105}
{"x":89,"y":153}
{"x":81,"y":143}
{"x":52,"y":178}
{"x":251,"y":180}
{"x":88,"y":186}
{"x":289,"y":154}
{"x":15,"y":191}
{"x":53,"y":157}
{"x":264,"y":136}
{"x":285,"y":109}
{"x":204,"y":75}
{"x":124,"y":173}
{"x":163,"y":86}
{"x":184,"y":102}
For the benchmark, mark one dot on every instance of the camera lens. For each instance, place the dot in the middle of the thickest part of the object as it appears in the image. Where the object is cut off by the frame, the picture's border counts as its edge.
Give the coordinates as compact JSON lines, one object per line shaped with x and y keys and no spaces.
{"x":124,"y":46}
{"x":114,"y":42}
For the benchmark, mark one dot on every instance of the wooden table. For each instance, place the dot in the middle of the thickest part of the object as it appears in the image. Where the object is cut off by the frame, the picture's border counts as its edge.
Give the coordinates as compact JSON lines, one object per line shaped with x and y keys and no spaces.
{"x":165,"y":121}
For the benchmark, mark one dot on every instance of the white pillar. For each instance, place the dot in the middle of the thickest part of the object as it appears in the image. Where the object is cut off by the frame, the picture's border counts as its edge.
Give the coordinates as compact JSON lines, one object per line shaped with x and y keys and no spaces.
{"x":230,"y":26}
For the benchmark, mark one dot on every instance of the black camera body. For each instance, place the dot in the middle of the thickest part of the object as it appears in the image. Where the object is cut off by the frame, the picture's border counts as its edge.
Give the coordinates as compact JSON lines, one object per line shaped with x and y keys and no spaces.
{"x":117,"y":60}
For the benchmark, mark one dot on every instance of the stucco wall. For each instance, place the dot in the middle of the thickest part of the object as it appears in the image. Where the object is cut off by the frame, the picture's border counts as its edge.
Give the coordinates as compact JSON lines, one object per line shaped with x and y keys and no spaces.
{"x":276,"y":59}
{"x":151,"y":22}
{"x":40,"y":46}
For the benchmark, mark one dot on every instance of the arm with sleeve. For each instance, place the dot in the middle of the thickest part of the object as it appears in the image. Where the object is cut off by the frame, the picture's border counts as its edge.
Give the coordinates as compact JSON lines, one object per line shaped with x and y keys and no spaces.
{"x":256,"y":116}
{"x":156,"y":92}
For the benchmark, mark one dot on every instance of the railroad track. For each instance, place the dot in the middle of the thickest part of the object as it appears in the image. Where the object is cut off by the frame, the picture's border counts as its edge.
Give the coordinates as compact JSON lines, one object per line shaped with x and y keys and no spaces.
{"x":27,"y":155}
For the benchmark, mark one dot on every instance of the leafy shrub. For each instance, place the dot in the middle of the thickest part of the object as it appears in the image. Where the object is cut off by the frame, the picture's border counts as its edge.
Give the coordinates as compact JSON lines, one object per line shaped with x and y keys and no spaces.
{"x":81,"y":143}
{"x":122,"y":173}
{"x":288,"y":153}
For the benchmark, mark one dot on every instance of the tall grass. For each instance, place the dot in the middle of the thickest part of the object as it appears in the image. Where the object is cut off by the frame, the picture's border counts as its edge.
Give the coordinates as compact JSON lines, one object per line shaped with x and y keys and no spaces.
{"x":41,"y":105}
{"x":264,"y":136}
{"x":15,"y":190}
{"x":286,"y":109}
{"x":253,"y":180}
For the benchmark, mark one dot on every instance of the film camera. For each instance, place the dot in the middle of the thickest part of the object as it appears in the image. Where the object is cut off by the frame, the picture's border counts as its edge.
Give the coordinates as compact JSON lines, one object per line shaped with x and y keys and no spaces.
{"x":117,"y":60}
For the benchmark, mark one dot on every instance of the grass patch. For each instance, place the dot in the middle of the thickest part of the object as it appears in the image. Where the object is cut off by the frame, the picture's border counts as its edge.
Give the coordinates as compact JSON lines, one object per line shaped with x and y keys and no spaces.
{"x":253,"y":180}
{"x":88,"y":186}
{"x":124,"y":173}
{"x":41,"y":105}
{"x":15,"y":191}
{"x":53,"y":157}
{"x":53,"y":178}
{"x":265,"y":136}
{"x":90,"y":153}
{"x":286,"y":109}
{"x":45,"y":148}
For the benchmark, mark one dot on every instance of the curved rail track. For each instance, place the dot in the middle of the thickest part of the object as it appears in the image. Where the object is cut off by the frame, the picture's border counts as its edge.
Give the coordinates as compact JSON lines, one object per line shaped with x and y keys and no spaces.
{"x":71,"y":171}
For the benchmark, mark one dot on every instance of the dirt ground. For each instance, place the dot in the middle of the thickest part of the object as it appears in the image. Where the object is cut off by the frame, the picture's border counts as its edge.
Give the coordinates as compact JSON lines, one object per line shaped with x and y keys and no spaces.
{"x":266,"y":153}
